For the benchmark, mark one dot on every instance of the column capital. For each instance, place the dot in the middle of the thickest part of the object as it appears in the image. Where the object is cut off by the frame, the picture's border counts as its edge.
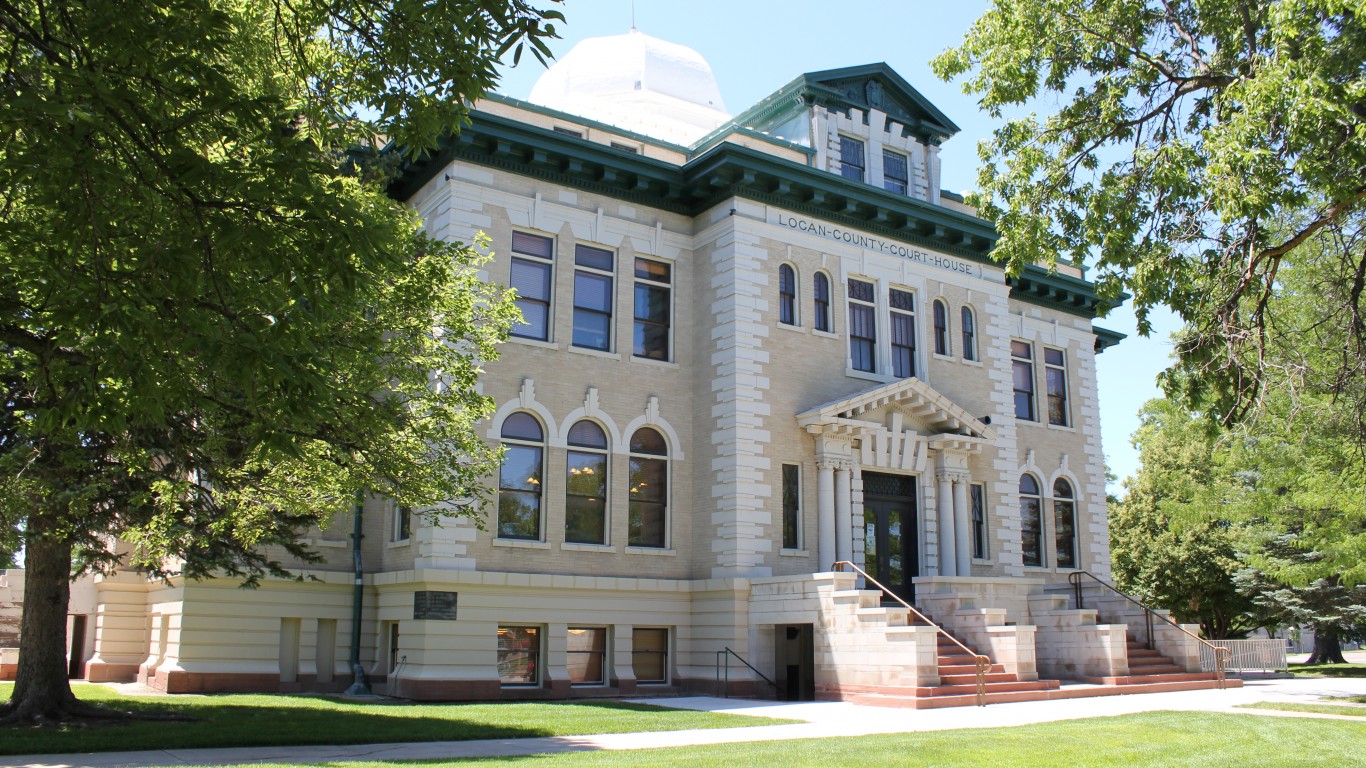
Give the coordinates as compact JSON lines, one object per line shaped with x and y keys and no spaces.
{"x":832,"y":463}
{"x":952,"y":475}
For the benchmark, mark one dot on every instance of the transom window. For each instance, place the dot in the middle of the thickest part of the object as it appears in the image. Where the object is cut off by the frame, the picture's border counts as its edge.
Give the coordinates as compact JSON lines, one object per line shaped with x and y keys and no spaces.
{"x":787,"y":295}
{"x":532,"y":277}
{"x":1031,"y":521}
{"x":862,"y":326}
{"x":1022,"y":369}
{"x":647,"y":521}
{"x":894,"y":176}
{"x":1055,"y":382}
{"x":902,"y":307}
{"x":652,"y":316}
{"x":585,"y":504}
{"x":968,"y":324}
{"x":1065,"y":523}
{"x":941,"y":327}
{"x":519,"y":479}
{"x":821,"y":305}
{"x":851,"y":158}
{"x":593,"y":297}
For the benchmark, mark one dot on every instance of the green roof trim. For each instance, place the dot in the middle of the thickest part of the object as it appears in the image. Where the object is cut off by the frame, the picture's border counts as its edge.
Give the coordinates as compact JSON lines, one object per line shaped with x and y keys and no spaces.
{"x":728,"y":170}
{"x":1106,"y":338}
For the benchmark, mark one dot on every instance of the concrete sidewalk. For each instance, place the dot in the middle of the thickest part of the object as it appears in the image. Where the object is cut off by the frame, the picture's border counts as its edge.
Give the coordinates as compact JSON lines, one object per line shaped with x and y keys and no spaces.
{"x":822,"y":720}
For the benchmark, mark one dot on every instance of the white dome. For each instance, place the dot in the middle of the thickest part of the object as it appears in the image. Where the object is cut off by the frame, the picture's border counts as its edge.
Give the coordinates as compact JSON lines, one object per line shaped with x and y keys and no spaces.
{"x":636,"y":82}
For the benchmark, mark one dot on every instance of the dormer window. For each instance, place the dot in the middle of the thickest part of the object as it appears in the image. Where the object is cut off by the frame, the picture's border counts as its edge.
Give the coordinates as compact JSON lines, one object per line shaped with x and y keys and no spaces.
{"x":852,"y":161}
{"x":894,"y":175}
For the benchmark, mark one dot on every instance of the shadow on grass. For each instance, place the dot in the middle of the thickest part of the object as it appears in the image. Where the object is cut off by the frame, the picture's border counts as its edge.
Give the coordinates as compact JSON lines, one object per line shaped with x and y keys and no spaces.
{"x":1328,"y":670}
{"x":235,"y":720}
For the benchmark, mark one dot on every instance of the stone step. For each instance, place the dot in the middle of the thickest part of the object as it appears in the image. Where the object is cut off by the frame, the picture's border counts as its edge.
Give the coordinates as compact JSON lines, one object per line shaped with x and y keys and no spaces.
{"x":970,"y":678}
{"x":1071,"y":691}
{"x":1149,"y":661}
{"x":1146,"y":679}
{"x":993,"y":687}
{"x":967,"y":669}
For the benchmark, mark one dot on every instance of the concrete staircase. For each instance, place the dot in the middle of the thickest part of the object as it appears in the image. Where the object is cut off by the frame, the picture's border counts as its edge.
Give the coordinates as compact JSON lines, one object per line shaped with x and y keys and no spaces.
{"x":1152,"y":672}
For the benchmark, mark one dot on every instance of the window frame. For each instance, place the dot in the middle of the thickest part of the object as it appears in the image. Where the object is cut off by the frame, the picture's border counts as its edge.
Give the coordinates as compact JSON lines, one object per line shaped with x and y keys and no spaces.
{"x":868,"y":306}
{"x":967,"y":325}
{"x":823,"y":320}
{"x":904,"y":181}
{"x":603,"y":503}
{"x":1059,"y":397}
{"x":1068,"y":502}
{"x":401,"y":525}
{"x":911,"y":351}
{"x":545,"y":263}
{"x":664,"y":655}
{"x":792,"y":505}
{"x":846,"y":144}
{"x":603,"y":655}
{"x":599,"y":273}
{"x":633,"y":456}
{"x":1037,"y":498}
{"x":537,"y":655}
{"x":977,"y":520}
{"x":1026,"y":363}
{"x":787,"y":294}
{"x":939,"y":311}
{"x":652,"y":283}
{"x":539,"y":480}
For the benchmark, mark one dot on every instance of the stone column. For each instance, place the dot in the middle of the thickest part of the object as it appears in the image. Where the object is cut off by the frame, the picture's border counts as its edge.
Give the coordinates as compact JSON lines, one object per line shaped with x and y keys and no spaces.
{"x":844,"y":524}
{"x":962,"y":525}
{"x":825,"y":515}
{"x":948,"y":547}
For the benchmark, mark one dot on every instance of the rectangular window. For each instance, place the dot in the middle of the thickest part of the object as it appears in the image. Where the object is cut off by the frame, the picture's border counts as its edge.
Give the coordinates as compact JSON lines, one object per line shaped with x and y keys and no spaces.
{"x":519,"y":655}
{"x":569,"y":132}
{"x":403,"y":524}
{"x":902,"y":305}
{"x":978,"y":497}
{"x":587,"y":655}
{"x":519,"y":493}
{"x":532,"y":275}
{"x":1055,"y":378}
{"x":851,"y":158}
{"x":894,"y":177}
{"x":792,"y":507}
{"x":1022,"y":363}
{"x":648,"y":506}
{"x":593,"y":297}
{"x":652,"y":316}
{"x":625,"y":148}
{"x":650,"y":655}
{"x":393,"y":646}
{"x":821,"y":291}
{"x":585,"y":504}
{"x":862,"y":326}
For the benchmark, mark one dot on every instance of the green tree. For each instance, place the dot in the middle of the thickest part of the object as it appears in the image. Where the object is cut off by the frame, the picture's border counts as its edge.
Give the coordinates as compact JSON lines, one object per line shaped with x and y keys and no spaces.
{"x":1163,"y":554}
{"x":215,"y":328}
{"x":1195,"y":147}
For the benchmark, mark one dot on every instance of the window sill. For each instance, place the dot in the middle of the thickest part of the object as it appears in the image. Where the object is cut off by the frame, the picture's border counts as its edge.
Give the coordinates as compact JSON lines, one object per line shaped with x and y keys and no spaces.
{"x":652,"y":361}
{"x":793,"y":328}
{"x":594,"y":352}
{"x":657,"y":552}
{"x":981,"y":561}
{"x":824,"y":334}
{"x":574,"y":546}
{"x":533,"y":342}
{"x":327,"y":543}
{"x":868,"y":376}
{"x":794,"y":553}
{"x":393,"y":544}
{"x":977,"y":363}
{"x":1063,"y":427}
{"x":949,"y":357}
{"x":521,"y":544}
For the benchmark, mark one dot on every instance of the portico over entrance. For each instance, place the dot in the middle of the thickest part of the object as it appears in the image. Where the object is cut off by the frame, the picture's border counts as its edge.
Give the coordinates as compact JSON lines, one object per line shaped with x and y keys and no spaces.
{"x":894,"y":481}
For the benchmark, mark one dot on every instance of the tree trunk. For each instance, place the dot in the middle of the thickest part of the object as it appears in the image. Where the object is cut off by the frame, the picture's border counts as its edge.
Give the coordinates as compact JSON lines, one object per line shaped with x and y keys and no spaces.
{"x":41,"y":690}
{"x":1327,"y":648}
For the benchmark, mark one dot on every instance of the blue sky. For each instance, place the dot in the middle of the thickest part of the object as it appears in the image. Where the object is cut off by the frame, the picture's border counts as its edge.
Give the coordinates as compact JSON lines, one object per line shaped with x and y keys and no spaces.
{"x":757,"y":46}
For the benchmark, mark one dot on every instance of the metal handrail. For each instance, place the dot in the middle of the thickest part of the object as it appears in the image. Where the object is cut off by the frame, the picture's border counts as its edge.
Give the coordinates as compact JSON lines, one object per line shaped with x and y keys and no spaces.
{"x":1221,"y":653}
{"x":725,"y":655}
{"x":983,"y":663}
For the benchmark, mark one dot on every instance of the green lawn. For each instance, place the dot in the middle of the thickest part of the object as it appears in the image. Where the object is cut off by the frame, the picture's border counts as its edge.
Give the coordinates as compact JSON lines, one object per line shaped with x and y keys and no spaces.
{"x":1189,"y":740}
{"x":1328,"y":670}
{"x":266,"y":720}
{"x":1295,"y":706}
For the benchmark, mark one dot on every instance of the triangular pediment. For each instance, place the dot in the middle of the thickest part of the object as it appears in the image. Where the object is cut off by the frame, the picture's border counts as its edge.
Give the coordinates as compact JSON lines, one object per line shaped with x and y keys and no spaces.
{"x":917,"y":401}
{"x":878,"y":86}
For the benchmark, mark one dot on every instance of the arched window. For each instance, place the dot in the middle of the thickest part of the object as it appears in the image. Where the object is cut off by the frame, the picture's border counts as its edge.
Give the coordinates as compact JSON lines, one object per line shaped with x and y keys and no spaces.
{"x":648,"y":521}
{"x":969,"y":326}
{"x":585,"y":488}
{"x":941,"y":327}
{"x":519,"y":479}
{"x":787,"y":295}
{"x":822,"y":303}
{"x":1031,"y":521}
{"x":1065,"y":523}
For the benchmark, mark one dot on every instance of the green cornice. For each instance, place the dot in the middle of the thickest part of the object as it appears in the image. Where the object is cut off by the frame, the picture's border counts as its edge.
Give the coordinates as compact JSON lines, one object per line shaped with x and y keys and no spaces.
{"x":728,"y":170}
{"x":1106,"y":338}
{"x":586,"y":122}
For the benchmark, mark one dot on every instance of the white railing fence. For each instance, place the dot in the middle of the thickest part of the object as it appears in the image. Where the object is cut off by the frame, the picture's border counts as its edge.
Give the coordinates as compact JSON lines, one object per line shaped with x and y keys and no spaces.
{"x":1248,"y":656}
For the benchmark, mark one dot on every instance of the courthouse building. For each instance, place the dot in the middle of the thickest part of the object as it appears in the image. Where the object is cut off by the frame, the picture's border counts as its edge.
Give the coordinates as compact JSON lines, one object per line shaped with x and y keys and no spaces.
{"x":753,"y":345}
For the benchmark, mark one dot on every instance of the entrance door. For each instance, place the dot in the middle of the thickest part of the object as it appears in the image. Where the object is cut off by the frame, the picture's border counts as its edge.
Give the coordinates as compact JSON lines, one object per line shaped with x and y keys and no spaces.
{"x":890,"y":550}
